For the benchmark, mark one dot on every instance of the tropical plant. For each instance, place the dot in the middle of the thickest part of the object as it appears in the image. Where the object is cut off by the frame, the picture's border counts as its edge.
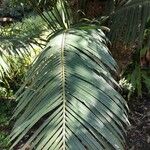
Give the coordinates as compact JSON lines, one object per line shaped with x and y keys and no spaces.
{"x":19,"y":44}
{"x":75,"y":103}
{"x":68,"y":100}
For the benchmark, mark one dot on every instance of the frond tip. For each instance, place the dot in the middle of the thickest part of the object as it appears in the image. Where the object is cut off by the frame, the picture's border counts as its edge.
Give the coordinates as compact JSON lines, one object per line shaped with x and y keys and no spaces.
{"x":70,"y":89}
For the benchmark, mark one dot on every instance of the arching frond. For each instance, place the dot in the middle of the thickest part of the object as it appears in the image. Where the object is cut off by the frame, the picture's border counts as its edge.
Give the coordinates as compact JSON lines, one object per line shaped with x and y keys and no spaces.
{"x":68,"y":100}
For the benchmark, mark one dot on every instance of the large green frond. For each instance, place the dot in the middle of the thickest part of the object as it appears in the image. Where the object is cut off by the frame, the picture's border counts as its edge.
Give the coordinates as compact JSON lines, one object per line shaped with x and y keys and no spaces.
{"x":67,"y":101}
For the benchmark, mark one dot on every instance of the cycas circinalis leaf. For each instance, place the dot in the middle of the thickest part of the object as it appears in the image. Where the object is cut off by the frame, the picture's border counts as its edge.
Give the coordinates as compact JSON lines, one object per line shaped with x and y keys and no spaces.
{"x":69,"y":86}
{"x":129,"y":20}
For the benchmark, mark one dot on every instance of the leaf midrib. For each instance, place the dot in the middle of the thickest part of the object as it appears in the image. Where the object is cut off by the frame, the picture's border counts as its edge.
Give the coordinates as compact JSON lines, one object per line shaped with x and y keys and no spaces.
{"x":63,"y":91}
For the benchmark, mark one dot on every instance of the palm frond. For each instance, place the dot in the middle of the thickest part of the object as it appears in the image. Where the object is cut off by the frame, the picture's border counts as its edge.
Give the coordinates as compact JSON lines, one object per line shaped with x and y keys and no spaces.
{"x":129,"y":21}
{"x":56,"y":14}
{"x":19,"y":40}
{"x":67,"y":98}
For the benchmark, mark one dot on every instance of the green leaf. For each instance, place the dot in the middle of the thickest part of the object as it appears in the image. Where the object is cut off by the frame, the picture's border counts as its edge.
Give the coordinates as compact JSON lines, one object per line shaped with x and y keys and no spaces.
{"x":68,"y":93}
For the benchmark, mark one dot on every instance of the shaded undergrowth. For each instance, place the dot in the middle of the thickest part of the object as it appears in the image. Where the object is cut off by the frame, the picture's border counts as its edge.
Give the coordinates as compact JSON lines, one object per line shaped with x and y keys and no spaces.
{"x":138,"y":134}
{"x":6,"y":110}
